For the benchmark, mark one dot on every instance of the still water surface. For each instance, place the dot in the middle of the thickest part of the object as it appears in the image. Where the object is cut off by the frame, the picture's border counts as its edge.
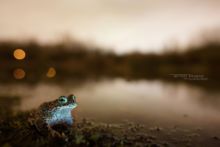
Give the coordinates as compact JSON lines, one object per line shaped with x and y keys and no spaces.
{"x":117,"y":100}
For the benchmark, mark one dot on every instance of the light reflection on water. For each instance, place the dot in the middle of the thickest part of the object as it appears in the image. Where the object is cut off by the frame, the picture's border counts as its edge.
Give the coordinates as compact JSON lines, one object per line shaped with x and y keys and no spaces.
{"x":117,"y":100}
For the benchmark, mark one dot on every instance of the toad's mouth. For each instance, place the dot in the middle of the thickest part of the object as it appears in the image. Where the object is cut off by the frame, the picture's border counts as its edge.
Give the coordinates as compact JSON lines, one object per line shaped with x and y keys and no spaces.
{"x":72,"y":106}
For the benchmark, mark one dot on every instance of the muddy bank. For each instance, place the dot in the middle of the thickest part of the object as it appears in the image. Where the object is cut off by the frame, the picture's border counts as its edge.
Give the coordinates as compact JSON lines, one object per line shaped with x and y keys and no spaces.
{"x":17,"y":131}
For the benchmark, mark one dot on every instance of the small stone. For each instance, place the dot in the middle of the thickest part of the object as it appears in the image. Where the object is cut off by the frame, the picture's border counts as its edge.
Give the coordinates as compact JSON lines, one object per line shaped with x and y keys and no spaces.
{"x":215,"y":138}
{"x":166,"y":144}
{"x":155,"y":145}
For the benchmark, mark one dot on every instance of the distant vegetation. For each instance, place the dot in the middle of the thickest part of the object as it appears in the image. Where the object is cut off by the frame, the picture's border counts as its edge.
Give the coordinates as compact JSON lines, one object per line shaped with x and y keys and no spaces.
{"x":79,"y":61}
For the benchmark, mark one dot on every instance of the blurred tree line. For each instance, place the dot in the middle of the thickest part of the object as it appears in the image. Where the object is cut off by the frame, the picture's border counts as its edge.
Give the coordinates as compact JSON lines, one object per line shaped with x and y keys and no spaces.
{"x":79,"y":61}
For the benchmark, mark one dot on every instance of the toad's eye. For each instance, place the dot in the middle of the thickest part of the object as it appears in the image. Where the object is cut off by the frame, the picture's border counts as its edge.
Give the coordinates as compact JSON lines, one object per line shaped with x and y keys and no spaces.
{"x":62,"y":100}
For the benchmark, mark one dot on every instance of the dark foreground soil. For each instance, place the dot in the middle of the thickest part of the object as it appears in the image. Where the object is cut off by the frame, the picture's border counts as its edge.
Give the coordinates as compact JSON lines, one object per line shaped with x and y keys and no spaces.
{"x":17,"y":131}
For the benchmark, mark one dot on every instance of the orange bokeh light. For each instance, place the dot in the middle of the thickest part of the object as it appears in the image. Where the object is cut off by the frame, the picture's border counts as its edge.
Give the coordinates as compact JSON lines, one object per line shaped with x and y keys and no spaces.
{"x":19,"y":54}
{"x":51,"y":72}
{"x":19,"y":73}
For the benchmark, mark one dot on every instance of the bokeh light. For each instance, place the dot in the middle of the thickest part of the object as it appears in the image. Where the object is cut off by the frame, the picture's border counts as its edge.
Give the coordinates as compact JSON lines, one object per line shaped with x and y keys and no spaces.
{"x":19,"y":73}
{"x":19,"y":54}
{"x":51,"y":72}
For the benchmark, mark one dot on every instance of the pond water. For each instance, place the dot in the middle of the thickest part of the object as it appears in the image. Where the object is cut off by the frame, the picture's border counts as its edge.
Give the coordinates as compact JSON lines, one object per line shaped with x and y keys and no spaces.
{"x":117,"y":100}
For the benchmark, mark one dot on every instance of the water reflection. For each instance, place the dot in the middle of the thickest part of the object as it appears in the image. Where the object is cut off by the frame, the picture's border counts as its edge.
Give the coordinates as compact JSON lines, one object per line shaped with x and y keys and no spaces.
{"x":19,"y":73}
{"x":118,"y":100}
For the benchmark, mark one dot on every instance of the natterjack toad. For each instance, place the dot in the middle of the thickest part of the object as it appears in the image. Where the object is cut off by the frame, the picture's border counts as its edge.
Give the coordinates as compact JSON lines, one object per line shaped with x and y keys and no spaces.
{"x":54,"y":113}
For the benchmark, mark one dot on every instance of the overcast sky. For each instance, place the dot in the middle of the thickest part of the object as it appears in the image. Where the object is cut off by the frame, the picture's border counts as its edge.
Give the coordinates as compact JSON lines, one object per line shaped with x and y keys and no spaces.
{"x":123,"y":25}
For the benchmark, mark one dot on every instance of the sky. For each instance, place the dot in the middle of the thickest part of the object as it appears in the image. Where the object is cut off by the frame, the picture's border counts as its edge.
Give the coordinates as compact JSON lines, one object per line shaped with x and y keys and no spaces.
{"x":118,"y":25}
